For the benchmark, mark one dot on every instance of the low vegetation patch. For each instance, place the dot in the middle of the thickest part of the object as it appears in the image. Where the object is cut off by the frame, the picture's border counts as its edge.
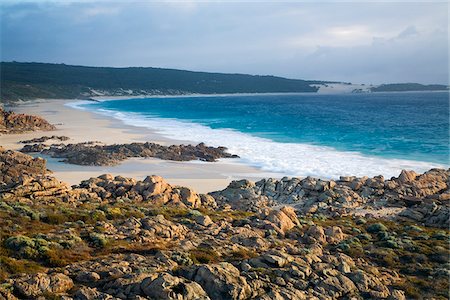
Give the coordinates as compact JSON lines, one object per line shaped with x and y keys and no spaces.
{"x":417,"y":253}
{"x":204,"y":256}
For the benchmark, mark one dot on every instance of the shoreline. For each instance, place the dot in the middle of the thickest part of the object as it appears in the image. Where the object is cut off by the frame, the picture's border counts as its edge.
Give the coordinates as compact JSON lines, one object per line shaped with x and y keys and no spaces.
{"x":322,"y":92}
{"x":83,"y":125}
{"x":292,"y":159}
{"x":77,"y":123}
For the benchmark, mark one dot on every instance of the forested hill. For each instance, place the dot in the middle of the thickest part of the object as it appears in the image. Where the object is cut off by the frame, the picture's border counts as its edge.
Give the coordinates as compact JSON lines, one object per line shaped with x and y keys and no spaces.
{"x":408,"y":87}
{"x":43,"y":80}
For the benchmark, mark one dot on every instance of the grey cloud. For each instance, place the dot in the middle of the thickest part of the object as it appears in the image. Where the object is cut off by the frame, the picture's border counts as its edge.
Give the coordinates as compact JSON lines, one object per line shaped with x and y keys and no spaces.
{"x":359,"y":42}
{"x":410,"y":31}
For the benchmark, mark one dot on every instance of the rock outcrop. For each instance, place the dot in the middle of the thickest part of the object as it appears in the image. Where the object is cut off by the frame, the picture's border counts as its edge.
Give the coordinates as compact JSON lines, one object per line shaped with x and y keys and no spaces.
{"x":11,"y":122}
{"x":92,"y":154}
{"x":17,"y":168}
{"x":169,"y":287}
{"x":424,"y":198}
{"x":31,"y":286}
{"x":153,"y":189}
{"x":43,"y":139}
{"x":220,"y":281}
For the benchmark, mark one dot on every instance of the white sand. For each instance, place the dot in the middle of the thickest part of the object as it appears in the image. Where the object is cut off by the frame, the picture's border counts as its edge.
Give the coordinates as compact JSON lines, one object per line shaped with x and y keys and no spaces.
{"x":83,"y":126}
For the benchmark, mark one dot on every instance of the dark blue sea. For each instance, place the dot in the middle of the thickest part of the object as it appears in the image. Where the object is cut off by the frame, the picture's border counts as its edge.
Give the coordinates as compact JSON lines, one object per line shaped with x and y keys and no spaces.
{"x":304,"y":134}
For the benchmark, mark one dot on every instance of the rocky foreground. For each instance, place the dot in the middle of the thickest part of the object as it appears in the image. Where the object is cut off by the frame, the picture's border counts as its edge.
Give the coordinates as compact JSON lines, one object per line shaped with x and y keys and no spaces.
{"x":120,"y":238}
{"x":97,"y":154}
{"x":11,"y":122}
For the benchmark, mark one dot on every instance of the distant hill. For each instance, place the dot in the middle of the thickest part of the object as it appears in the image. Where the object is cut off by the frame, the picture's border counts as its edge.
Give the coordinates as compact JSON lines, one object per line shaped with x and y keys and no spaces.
{"x":23,"y":81}
{"x":43,"y":80}
{"x":408,"y":87}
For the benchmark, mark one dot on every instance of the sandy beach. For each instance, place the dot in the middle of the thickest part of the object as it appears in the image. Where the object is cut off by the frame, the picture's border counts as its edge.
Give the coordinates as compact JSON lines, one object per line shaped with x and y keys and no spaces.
{"x":83,"y":126}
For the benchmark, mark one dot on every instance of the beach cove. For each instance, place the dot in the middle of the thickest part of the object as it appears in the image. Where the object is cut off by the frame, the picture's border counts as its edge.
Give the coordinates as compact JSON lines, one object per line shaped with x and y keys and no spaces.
{"x":83,"y":126}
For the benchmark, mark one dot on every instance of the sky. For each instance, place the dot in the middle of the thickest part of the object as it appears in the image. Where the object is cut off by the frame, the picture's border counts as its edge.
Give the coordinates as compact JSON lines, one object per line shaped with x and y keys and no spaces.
{"x":361,"y":42}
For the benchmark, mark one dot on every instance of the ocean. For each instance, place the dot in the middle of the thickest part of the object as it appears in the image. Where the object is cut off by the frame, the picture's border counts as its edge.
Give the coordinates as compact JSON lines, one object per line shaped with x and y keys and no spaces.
{"x":304,"y":134}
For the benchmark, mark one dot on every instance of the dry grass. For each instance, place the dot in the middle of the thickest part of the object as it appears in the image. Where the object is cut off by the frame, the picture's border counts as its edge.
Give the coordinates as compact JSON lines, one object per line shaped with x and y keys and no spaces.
{"x":204,"y":256}
{"x":242,"y":253}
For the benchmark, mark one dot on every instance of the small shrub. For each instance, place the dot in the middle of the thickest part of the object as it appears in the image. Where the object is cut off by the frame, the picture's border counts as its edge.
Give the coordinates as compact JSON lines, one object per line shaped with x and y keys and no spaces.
{"x":70,"y":242}
{"x":98,"y":215}
{"x":243,"y":253}
{"x":114,"y":213}
{"x":390,"y":244}
{"x":439,"y":235}
{"x":385,"y":257}
{"x":99,"y":240}
{"x":204,"y":256}
{"x":28,"y":252}
{"x":170,"y":213}
{"x":5,"y":206}
{"x":55,"y":259}
{"x":18,"y":242}
{"x":360,"y":221}
{"x":55,"y":218}
{"x":182,"y":258}
{"x":364,"y":237}
{"x":24,"y":210}
{"x":413,"y":228}
{"x":377,"y":227}
{"x":133,"y":213}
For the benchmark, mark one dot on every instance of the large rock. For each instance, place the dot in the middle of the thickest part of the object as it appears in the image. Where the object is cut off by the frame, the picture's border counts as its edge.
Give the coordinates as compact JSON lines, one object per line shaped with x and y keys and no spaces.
{"x":169,"y":287}
{"x":156,"y":185}
{"x":316,"y":234}
{"x":368,"y":283}
{"x":31,"y":286}
{"x":407,"y":176}
{"x":159,"y":226}
{"x":87,"y":293}
{"x":242,"y":195}
{"x":17,"y":168}
{"x":337,"y":286}
{"x":87,"y":277}
{"x":282,"y":220}
{"x":188,"y":197}
{"x":334,"y":235}
{"x":221,"y":281}
{"x":40,"y":190}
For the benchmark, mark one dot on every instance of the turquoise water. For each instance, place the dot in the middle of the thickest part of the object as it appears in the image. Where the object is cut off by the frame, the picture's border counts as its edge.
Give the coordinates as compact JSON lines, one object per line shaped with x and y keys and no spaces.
{"x":394,"y":129}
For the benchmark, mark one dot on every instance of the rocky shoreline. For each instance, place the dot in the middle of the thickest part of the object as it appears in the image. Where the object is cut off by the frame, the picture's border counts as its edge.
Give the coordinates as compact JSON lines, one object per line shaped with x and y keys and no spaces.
{"x":11,"y":123}
{"x":120,"y":238}
{"x":423,"y":198}
{"x":97,"y":154}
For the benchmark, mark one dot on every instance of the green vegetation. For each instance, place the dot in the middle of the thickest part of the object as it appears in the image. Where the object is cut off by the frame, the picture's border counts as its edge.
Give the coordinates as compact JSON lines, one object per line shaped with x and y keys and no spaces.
{"x":415,"y":252}
{"x":37,"y":236}
{"x":408,"y":87}
{"x":42,"y":80}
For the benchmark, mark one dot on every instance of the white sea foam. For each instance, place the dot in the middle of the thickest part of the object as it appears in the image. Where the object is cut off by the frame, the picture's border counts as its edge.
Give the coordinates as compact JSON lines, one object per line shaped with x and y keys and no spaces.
{"x":290,"y":159}
{"x":78,"y":104}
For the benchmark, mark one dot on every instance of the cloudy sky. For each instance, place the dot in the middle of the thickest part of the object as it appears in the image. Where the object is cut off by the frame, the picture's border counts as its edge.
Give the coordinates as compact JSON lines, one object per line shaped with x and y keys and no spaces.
{"x":360,"y":42}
